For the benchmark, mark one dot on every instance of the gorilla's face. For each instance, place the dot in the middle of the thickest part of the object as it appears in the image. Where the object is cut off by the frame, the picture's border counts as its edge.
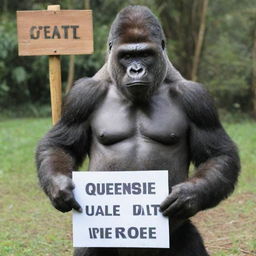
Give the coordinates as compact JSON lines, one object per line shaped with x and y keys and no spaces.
{"x":138,"y":68}
{"x":137,"y":60}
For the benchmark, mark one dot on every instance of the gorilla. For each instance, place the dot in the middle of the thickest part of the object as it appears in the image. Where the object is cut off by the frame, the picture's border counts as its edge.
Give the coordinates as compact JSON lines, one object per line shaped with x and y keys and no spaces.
{"x":138,"y":113}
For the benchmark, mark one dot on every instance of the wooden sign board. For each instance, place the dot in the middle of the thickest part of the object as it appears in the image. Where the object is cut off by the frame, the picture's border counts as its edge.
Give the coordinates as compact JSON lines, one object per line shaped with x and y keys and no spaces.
{"x":55,"y":32}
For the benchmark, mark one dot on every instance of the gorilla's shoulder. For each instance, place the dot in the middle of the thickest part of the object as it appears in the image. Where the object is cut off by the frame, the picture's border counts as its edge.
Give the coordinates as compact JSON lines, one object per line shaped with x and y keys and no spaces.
{"x":83,"y":97}
{"x":88,"y":86}
{"x":87,"y":89}
{"x":186,"y":89}
{"x":196,"y":101}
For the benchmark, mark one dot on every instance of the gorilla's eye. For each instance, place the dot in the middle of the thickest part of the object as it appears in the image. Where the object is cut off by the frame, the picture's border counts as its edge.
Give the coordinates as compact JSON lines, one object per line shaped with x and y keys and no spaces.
{"x":127,"y":56}
{"x":145,"y":54}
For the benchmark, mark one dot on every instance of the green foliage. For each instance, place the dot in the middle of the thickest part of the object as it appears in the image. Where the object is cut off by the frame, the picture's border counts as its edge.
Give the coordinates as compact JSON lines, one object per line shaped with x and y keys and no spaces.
{"x":22,"y":79}
{"x":227,"y":77}
{"x":225,"y":66}
{"x":226,"y":60}
{"x":8,"y":45}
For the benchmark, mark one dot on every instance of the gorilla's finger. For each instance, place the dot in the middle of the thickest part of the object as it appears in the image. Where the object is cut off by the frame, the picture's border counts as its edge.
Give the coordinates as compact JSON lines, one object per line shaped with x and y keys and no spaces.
{"x":172,"y":209}
{"x":71,"y":185}
{"x":70,"y":200}
{"x":75,"y":205}
{"x":169,"y":200}
{"x":62,"y":206}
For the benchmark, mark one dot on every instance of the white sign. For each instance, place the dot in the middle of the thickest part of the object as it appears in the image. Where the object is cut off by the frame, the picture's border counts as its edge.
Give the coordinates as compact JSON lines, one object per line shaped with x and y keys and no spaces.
{"x":120,"y":209}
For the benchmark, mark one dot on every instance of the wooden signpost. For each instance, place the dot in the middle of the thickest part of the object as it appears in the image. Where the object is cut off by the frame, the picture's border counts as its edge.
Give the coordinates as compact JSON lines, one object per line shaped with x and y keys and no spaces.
{"x":55,"y":32}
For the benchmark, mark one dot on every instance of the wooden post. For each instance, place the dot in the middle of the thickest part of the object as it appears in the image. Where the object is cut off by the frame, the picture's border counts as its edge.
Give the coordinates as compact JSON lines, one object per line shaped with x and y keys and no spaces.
{"x":55,"y":80}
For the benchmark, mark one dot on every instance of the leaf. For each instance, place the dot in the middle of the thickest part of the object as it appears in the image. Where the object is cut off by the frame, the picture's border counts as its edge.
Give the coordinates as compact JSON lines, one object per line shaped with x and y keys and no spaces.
{"x":4,"y":87}
{"x":19,"y":74}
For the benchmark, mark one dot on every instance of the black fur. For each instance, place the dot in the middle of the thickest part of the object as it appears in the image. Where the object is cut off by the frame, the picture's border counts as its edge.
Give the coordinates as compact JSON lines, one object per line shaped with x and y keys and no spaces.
{"x":143,"y":18}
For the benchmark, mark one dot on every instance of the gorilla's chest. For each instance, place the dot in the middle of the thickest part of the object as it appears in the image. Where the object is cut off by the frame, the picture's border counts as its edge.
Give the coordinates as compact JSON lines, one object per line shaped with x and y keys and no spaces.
{"x":161,"y":121}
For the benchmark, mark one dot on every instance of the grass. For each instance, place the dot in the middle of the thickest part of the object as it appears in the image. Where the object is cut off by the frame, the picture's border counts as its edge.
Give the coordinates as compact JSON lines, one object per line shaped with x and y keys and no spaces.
{"x":30,"y":226}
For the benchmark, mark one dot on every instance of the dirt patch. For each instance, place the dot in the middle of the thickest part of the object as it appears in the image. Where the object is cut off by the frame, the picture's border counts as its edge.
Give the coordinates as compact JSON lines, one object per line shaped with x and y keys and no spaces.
{"x":229,"y":229}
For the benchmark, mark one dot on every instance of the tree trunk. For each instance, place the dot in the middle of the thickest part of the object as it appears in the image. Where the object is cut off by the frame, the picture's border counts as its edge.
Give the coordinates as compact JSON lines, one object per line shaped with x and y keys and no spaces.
{"x":86,"y":4}
{"x":254,"y":76}
{"x":5,"y":6}
{"x":199,"y":42}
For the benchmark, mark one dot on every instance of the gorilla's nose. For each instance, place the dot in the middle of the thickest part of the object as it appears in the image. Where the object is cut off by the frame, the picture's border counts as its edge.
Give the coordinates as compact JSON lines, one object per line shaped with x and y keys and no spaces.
{"x":136,"y":71}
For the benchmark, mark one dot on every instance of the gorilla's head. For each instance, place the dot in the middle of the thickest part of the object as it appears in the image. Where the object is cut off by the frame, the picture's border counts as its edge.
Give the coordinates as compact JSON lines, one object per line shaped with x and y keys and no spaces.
{"x":137,"y":58}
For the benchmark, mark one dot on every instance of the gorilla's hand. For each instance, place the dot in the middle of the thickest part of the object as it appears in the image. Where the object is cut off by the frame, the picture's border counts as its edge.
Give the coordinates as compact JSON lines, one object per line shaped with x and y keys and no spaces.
{"x":60,"y":193}
{"x":182,"y":202}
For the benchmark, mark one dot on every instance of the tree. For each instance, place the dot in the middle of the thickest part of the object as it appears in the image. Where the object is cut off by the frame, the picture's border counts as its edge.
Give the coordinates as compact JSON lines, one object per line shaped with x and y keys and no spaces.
{"x":184,"y":24}
{"x":199,"y":41}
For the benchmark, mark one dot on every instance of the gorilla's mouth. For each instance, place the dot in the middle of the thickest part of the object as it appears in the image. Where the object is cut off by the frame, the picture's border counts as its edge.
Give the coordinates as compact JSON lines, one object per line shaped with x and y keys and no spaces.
{"x":136,"y":83}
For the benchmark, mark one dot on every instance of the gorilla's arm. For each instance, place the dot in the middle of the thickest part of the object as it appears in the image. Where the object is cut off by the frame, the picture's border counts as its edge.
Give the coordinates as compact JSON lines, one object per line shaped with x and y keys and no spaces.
{"x":65,"y":146}
{"x":213,"y":153}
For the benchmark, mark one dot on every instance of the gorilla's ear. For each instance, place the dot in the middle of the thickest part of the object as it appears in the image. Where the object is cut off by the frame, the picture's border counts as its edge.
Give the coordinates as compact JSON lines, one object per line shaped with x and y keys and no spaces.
{"x":163,"y":44}
{"x":110,"y":45}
